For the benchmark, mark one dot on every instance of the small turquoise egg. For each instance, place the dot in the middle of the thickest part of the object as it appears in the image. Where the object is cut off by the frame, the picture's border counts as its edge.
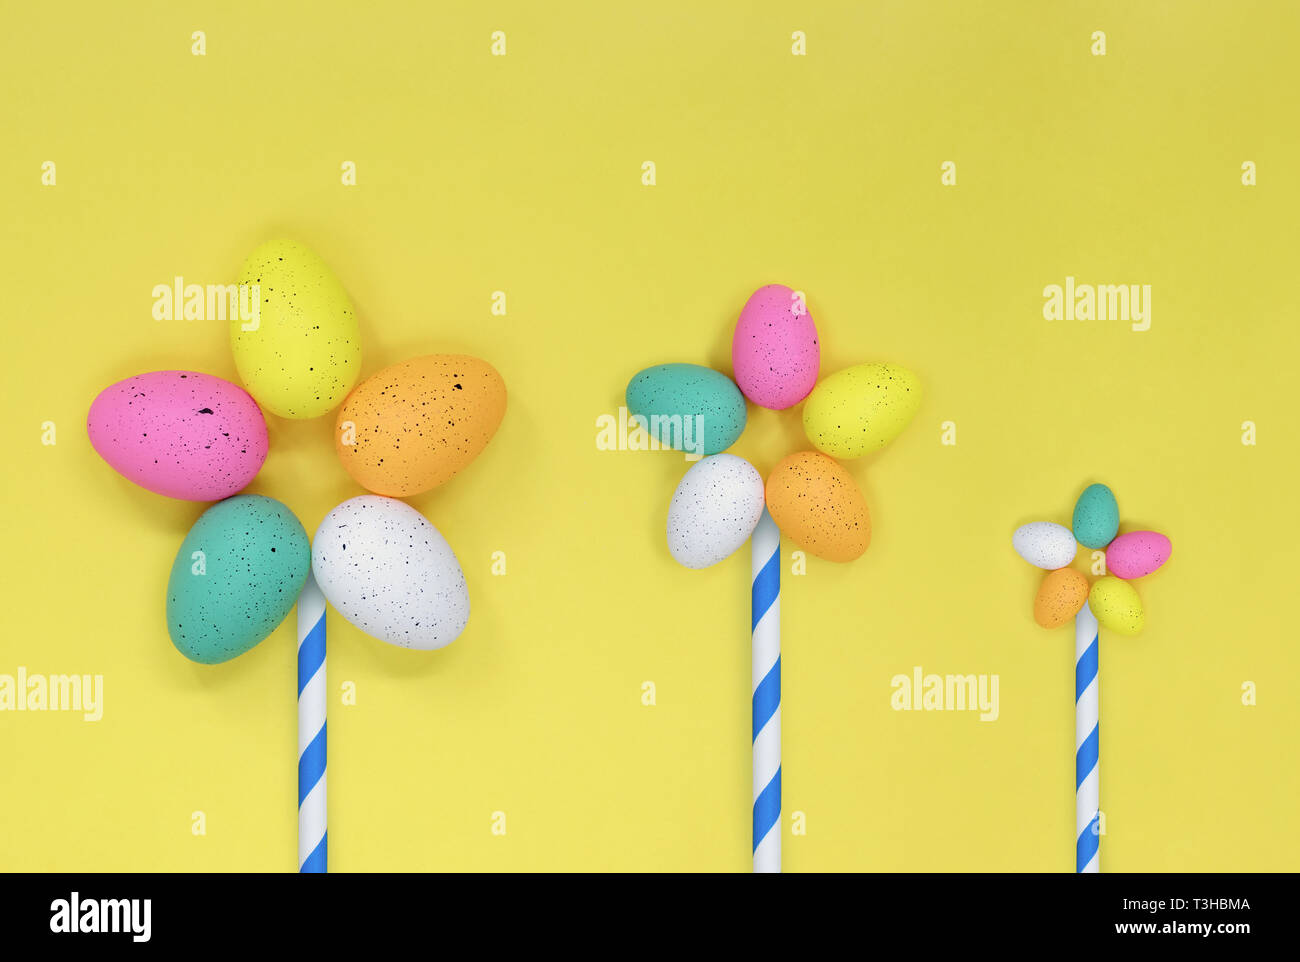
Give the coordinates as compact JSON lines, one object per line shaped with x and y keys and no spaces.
{"x":688,"y":407}
{"x":1096,"y":517}
{"x":236,"y":576}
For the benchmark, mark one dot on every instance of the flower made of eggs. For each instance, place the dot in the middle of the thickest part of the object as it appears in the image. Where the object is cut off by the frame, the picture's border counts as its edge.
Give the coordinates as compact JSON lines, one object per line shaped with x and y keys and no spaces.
{"x":1064,"y":590}
{"x":402,"y":431}
{"x":776,"y":359}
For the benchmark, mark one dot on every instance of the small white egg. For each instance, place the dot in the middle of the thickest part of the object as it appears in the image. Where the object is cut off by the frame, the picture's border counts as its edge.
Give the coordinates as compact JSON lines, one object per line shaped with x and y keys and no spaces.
{"x":1045,"y":544}
{"x":714,"y":510}
{"x":388,"y":571}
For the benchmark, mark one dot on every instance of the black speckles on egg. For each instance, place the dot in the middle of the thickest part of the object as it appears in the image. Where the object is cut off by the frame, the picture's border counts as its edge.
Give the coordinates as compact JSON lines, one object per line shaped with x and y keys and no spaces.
{"x":815,"y":502}
{"x":775,"y":351}
{"x":714,"y":510}
{"x":420,"y":422}
{"x":861,"y":409}
{"x":254,"y":560}
{"x":399,"y":581}
{"x":687,"y":407}
{"x":181,"y":434}
{"x":305,"y":354}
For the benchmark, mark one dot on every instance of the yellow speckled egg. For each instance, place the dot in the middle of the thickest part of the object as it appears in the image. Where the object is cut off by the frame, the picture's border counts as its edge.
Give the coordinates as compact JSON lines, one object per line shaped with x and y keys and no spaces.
{"x":1117,"y":606}
{"x":410,"y":427}
{"x":300,"y":353}
{"x":1060,"y":597}
{"x":816,"y":504}
{"x":860,"y":409}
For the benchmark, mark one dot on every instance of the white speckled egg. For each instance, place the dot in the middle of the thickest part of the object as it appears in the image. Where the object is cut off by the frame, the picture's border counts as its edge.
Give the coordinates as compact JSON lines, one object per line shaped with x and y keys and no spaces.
{"x":388,"y":571}
{"x":714,"y":510}
{"x":1045,"y":545}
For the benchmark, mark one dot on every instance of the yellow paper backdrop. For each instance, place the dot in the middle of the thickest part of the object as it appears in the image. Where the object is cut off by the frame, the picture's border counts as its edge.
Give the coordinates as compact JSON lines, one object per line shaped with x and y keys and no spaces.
{"x":523,"y":173}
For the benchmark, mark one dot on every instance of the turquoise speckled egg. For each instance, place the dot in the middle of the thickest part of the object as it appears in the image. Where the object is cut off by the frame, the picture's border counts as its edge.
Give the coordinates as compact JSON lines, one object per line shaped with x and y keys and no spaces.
{"x":236,"y":576}
{"x":1096,"y":517}
{"x":688,"y":407}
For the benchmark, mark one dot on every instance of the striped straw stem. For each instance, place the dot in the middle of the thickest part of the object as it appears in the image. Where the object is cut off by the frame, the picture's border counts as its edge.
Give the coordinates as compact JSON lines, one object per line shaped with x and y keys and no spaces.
{"x":1087,"y":772}
{"x":311,"y":728}
{"x":765,"y":547}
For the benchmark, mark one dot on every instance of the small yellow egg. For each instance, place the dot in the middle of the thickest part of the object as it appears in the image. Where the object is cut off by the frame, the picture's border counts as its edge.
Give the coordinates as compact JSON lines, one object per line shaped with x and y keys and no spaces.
{"x":1117,"y":606}
{"x":300,"y":353}
{"x":860,"y":409}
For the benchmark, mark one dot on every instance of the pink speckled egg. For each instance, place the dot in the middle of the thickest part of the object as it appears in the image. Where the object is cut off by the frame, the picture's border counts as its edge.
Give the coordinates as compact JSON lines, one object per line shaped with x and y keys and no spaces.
{"x":180,"y":434}
{"x":774,"y":352}
{"x":1137,"y":554}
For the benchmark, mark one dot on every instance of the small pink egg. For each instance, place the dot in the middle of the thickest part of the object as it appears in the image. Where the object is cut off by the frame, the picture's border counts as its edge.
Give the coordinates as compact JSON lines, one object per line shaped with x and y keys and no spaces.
{"x":1137,"y":553}
{"x":774,"y":352}
{"x":181,"y":434}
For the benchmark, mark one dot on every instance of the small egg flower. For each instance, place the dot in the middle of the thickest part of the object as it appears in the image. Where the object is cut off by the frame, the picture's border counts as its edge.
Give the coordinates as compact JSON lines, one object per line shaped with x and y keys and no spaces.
{"x":1064,"y":590}
{"x":776,"y":359}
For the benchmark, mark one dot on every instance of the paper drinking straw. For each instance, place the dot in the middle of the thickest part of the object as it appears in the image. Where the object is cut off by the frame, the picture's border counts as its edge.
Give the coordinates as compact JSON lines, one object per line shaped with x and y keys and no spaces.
{"x":765,"y":546}
{"x":1087,"y":771}
{"x":311,"y":728}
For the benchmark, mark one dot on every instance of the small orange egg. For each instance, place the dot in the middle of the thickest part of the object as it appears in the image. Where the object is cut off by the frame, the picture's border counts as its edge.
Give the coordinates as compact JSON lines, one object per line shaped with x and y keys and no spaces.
{"x":815,"y":503}
{"x":1060,"y":597}
{"x":410,"y":427}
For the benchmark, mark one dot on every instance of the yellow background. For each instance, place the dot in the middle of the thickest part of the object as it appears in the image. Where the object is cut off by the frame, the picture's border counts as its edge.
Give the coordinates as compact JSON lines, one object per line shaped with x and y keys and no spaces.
{"x":523,"y":173}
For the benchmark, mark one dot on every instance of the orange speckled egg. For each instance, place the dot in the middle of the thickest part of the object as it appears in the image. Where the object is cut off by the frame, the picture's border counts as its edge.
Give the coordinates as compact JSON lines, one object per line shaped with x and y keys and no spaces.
{"x":814,"y":502}
{"x":1060,"y":597}
{"x":410,"y":427}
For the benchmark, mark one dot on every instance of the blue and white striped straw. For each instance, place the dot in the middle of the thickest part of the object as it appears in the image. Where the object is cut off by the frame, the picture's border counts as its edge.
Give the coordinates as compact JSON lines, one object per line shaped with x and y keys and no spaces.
{"x":765,"y":546}
{"x":311,"y":728}
{"x":1087,"y":771}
